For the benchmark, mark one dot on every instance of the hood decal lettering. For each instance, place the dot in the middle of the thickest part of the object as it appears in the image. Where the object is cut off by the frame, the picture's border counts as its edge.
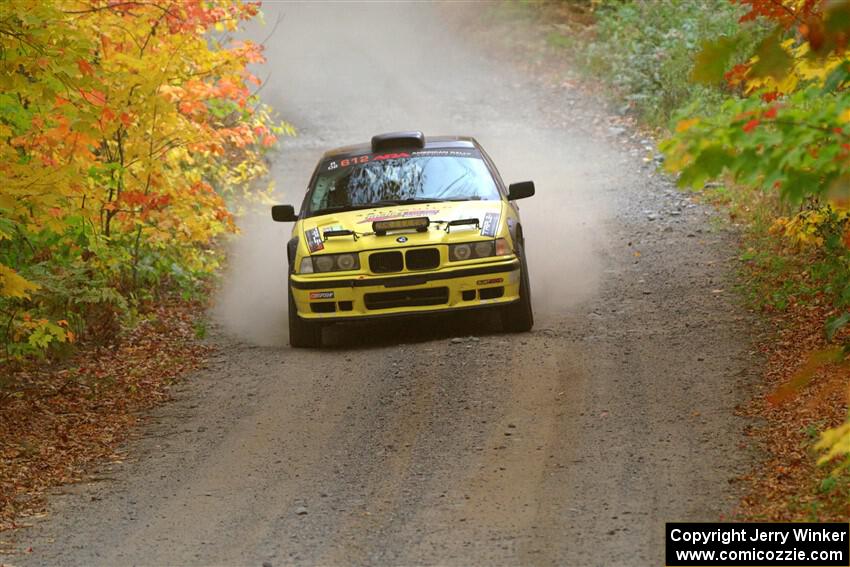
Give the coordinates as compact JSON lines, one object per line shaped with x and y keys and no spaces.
{"x":371,"y":217}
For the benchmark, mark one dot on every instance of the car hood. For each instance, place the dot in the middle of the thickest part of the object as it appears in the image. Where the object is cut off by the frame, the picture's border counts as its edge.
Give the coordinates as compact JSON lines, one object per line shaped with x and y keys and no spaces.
{"x":360,"y":221}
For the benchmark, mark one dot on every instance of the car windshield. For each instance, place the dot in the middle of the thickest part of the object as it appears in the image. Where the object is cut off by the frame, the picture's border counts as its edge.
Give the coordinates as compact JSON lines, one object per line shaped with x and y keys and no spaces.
{"x":375,"y":180}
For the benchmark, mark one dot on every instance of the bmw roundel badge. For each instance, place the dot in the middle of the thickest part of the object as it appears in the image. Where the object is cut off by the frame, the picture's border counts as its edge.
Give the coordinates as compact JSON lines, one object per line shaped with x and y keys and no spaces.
{"x":401,"y":239}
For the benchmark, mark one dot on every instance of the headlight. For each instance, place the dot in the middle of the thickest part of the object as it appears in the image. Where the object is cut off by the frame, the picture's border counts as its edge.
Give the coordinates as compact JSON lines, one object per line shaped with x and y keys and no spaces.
{"x":332,"y":263}
{"x":460,"y":252}
{"x":346,"y":261}
{"x":483,"y":249}
{"x":306,"y":266}
{"x":323,"y":263}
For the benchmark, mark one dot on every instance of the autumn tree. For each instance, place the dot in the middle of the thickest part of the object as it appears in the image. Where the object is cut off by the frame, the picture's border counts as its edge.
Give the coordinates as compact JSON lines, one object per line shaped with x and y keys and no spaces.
{"x":126,"y":130}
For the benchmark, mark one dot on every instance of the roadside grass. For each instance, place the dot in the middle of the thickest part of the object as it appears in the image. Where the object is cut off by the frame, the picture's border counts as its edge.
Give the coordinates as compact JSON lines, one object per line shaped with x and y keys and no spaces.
{"x":768,"y":277}
{"x":200,"y":328}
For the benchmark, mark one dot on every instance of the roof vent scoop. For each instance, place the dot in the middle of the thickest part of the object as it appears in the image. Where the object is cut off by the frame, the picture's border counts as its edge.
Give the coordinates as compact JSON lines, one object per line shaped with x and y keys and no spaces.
{"x":398,"y":140}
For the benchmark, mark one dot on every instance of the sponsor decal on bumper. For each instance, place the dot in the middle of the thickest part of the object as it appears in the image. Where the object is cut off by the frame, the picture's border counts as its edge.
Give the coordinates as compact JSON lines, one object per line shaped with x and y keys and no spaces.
{"x":321,"y":295}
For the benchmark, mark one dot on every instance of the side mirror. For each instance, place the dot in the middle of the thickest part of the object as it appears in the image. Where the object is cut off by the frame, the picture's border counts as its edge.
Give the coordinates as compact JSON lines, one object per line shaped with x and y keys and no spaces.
{"x":284,"y":213}
{"x":520,"y":190}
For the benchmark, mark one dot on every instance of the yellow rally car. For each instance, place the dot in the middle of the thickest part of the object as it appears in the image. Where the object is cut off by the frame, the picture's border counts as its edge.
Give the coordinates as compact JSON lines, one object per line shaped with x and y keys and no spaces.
{"x":404,"y":227}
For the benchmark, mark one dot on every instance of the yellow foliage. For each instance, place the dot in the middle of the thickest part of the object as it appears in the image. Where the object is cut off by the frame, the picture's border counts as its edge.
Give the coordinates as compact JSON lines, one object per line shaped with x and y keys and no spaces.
{"x":835,"y":442}
{"x":806,"y":228}
{"x":13,"y":285}
{"x":805,"y":69}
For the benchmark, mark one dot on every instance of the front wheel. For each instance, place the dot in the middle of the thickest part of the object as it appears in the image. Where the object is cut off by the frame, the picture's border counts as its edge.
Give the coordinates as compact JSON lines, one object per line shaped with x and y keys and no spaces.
{"x":302,"y":334}
{"x":518,"y":317}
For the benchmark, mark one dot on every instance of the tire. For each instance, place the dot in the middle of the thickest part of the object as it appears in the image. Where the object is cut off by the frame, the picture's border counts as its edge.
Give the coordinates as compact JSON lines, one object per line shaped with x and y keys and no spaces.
{"x":518,"y":317}
{"x":302,"y":334}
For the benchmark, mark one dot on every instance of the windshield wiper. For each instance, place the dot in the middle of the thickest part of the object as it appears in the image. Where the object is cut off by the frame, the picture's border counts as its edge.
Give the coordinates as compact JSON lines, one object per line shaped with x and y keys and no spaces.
{"x":340,"y":209}
{"x":390,"y":202}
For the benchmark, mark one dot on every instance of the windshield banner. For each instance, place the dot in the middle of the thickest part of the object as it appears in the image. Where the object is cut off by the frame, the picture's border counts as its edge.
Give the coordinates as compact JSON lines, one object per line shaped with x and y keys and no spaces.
{"x":336,"y":164}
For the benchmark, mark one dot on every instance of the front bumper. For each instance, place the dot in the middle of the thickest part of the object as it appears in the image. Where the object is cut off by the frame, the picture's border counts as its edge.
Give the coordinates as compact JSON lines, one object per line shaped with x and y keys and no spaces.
{"x":364,"y":296}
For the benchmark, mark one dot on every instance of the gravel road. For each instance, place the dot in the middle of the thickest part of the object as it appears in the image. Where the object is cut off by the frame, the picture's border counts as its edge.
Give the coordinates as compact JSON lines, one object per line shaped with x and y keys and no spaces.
{"x":445,"y":442}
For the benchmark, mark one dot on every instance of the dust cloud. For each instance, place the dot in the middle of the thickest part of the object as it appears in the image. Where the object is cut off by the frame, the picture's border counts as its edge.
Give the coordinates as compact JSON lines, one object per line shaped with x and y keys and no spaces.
{"x":252,"y":301}
{"x":388,"y":67}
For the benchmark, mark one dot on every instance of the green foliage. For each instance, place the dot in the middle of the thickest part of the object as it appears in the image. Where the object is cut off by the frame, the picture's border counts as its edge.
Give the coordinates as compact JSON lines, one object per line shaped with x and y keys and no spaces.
{"x":646,"y":50}
{"x":795,"y":146}
{"x":828,"y":484}
{"x":835,"y":324}
{"x":713,"y":59}
{"x":200,"y":328}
